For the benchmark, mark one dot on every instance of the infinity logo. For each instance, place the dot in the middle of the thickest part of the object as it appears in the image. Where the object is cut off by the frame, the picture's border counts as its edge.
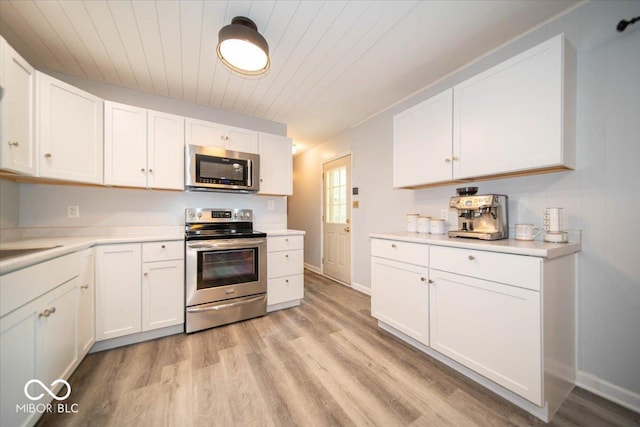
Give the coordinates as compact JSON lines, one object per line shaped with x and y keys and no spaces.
{"x":47,"y":389}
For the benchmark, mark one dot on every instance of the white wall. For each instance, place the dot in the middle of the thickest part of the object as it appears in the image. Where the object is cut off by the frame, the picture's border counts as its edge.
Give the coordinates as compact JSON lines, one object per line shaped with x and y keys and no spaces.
{"x":9,"y":205}
{"x":46,"y":206}
{"x":601,"y":196}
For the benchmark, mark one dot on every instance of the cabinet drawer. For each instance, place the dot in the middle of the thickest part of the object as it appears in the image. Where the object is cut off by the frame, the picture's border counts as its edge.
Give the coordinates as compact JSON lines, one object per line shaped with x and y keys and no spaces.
{"x":284,"y":289}
{"x":162,"y":251}
{"x":286,"y":263}
{"x":284,"y":243}
{"x":412,"y":253}
{"x":517,"y":270}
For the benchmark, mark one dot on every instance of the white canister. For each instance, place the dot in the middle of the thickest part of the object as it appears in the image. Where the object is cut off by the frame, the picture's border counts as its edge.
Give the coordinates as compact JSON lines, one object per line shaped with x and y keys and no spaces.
{"x":412,"y":223}
{"x":424,"y":226}
{"x":437,"y":226}
{"x":553,"y":220}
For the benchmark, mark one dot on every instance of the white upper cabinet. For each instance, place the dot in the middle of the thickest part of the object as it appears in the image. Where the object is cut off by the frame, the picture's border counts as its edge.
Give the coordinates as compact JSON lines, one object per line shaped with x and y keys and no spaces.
{"x":276,"y":164}
{"x":422,"y":142}
{"x":70,"y":132}
{"x":17,"y":115}
{"x":125,"y":151}
{"x":165,"y":151}
{"x":518,"y":115}
{"x":143,"y":148}
{"x":209,"y":134}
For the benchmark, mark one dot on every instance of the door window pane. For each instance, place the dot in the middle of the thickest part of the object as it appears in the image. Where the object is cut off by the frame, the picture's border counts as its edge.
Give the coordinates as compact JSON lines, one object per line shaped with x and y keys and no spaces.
{"x":336,"y":195}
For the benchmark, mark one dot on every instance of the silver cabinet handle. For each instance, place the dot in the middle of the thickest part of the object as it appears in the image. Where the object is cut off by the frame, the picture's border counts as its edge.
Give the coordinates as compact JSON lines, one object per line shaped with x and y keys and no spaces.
{"x":13,"y":143}
{"x":393,"y":245}
{"x":223,"y":306}
{"x":47,"y":312}
{"x":48,"y":155}
{"x":84,"y":287}
{"x":471,"y":257}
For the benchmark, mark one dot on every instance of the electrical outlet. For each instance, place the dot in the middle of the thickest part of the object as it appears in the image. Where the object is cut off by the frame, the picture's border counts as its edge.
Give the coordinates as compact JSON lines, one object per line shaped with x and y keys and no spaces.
{"x":444,"y":214}
{"x":73,"y":211}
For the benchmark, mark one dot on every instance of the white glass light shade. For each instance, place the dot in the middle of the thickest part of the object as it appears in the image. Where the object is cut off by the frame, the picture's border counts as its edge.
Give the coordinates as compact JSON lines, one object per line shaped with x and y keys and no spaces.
{"x":242,"y":49}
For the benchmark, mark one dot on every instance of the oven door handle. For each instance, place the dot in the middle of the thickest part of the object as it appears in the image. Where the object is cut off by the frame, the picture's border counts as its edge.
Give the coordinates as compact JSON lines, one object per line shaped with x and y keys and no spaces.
{"x":222,"y":244}
{"x":223,"y":306}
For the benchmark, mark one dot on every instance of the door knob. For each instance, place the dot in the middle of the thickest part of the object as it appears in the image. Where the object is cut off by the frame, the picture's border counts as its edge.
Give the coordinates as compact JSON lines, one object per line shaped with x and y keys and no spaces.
{"x":13,"y":143}
{"x":347,"y":229}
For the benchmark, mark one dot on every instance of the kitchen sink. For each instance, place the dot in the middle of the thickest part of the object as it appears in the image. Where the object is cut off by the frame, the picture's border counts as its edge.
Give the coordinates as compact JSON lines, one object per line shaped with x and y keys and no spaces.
{"x":12,"y":253}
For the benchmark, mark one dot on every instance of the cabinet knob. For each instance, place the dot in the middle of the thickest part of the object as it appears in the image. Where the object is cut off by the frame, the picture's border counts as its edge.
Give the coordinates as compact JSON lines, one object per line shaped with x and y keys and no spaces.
{"x":286,"y":281}
{"x":261,"y":179}
{"x":431,"y":281}
{"x":286,"y":240}
{"x":447,"y":160}
{"x":164,"y":246}
{"x":423,"y":279}
{"x":454,"y":158}
{"x":48,"y":155}
{"x":393,"y":245}
{"x":13,"y":143}
{"x":45,"y":313}
{"x":286,"y":256}
{"x":145,"y":274}
{"x":84,"y":287}
{"x":150,"y":170}
{"x":142,"y":170}
{"x":471,"y":257}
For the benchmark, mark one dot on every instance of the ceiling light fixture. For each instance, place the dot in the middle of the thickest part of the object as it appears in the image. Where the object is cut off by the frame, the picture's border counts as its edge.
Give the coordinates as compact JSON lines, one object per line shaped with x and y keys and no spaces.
{"x":242,"y":48}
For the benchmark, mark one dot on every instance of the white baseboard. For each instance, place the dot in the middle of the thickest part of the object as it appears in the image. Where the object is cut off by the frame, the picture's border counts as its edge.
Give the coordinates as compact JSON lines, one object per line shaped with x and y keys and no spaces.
{"x":312,"y":268}
{"x":361,"y":288}
{"x":609,"y":391}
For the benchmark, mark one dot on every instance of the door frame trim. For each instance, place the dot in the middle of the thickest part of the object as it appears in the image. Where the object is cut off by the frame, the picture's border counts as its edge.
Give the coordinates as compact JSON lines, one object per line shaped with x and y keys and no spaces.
{"x":349,"y":214}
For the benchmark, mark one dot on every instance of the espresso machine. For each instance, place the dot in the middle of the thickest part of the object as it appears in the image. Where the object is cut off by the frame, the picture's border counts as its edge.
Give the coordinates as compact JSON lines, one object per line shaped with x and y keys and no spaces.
{"x":483,"y":217}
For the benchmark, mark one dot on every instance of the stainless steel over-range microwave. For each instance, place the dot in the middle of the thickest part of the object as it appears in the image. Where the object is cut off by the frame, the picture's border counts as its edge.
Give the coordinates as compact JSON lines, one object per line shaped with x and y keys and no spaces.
{"x":217,"y":169}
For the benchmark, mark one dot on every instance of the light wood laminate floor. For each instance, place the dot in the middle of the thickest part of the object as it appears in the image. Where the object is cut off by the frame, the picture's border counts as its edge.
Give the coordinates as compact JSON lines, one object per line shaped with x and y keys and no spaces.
{"x":325,"y":363}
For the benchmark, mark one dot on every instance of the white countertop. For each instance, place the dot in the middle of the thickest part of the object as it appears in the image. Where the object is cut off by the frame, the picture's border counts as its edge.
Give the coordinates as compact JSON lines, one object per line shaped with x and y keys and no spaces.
{"x":68,"y":245}
{"x":509,"y":246}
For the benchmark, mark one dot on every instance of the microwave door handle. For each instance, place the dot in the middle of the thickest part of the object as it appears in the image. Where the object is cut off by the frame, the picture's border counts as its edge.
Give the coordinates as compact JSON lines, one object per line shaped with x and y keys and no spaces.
{"x":223,"y":306}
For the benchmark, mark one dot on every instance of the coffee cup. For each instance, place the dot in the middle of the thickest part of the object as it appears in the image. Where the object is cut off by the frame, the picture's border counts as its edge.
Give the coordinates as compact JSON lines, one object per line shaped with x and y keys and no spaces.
{"x":527,"y":232}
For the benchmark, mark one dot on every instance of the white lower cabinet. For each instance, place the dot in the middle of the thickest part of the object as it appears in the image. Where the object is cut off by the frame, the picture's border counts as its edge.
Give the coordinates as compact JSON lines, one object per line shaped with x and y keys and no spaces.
{"x":285,"y":271}
{"x":86,"y":303}
{"x":135,"y":296}
{"x":506,"y":320}
{"x":400,"y":297}
{"x":489,"y":327}
{"x":38,"y":339}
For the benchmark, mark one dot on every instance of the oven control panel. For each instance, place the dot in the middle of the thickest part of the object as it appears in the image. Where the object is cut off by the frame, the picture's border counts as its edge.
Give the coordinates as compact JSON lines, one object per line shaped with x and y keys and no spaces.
{"x":202,"y":215}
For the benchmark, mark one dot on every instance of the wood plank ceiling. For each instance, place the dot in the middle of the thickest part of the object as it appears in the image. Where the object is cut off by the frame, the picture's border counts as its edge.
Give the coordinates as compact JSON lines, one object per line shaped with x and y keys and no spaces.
{"x":334,"y":63}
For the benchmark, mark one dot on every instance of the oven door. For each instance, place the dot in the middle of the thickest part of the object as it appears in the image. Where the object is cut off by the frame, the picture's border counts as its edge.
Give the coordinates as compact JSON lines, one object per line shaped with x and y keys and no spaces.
{"x":218,"y":270}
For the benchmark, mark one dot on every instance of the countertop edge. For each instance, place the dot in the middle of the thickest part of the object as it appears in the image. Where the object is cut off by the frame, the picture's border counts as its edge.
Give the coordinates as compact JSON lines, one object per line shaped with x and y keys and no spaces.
{"x":508,"y":246}
{"x":70,"y":245}
{"x":287,"y":232}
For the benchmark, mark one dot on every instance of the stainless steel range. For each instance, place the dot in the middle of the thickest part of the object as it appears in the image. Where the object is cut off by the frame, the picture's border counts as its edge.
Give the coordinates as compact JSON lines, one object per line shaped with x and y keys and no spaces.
{"x":226,"y":268}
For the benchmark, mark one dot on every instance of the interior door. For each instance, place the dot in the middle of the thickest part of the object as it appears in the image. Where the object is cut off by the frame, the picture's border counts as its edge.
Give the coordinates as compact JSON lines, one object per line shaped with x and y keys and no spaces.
{"x":336,"y":219}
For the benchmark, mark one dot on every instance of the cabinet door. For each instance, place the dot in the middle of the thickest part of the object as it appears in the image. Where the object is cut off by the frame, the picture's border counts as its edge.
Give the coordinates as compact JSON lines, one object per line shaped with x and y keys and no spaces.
{"x":490,"y":328}
{"x":422,"y":142}
{"x":125,"y":146}
{"x":400,"y":297}
{"x":57,"y":349}
{"x":510,"y":118}
{"x":17,"y":363}
{"x":70,"y":137}
{"x":276,"y":164}
{"x":162,"y":294}
{"x":17,"y":114}
{"x":244,"y":140}
{"x":285,"y":289}
{"x":86,"y":303}
{"x":208,"y":134}
{"x":118,"y":290}
{"x":165,"y":151}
